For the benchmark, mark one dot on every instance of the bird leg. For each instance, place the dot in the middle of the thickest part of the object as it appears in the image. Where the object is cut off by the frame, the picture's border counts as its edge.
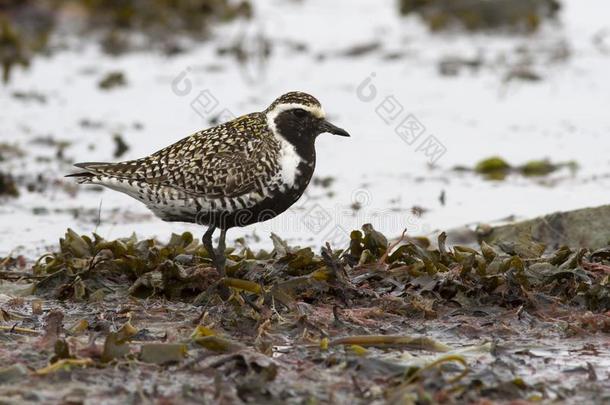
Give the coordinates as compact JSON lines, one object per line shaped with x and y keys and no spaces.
{"x":207,"y":243}
{"x":217,"y":255}
{"x":221,"y":259}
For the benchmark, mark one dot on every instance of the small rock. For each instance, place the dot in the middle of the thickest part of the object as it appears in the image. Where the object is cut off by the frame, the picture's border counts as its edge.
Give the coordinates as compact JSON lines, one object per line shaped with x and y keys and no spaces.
{"x":112,"y":80}
{"x":8,"y":186}
{"x":120,"y":146}
{"x":184,"y":259}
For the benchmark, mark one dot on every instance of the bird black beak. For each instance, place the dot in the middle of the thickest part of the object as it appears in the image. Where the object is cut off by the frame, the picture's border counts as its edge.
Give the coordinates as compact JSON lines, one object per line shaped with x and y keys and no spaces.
{"x":326,"y":126}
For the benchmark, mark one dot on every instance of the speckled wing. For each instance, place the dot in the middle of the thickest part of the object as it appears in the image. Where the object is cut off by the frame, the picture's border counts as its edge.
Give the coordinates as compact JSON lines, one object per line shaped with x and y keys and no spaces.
{"x":229,"y":160}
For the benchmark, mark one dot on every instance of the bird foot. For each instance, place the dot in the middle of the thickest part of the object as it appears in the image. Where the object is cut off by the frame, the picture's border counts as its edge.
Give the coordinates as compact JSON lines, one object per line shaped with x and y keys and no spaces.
{"x":221,"y":288}
{"x":220,"y":261}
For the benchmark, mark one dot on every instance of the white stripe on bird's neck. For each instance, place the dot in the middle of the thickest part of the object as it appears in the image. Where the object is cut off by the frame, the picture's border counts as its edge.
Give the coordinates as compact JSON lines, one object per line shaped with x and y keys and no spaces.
{"x":289,"y":158}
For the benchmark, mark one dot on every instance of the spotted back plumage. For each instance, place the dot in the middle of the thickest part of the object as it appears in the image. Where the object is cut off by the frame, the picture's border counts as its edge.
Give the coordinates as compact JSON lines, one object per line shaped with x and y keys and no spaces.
{"x":234,"y":158}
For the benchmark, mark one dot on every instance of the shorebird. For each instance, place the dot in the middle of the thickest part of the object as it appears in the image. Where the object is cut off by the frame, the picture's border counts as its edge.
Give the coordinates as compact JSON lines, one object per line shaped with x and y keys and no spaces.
{"x":238,"y":173}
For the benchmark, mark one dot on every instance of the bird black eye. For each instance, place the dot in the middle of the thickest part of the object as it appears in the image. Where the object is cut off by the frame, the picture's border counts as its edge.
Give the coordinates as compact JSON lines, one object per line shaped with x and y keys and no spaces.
{"x":299,"y":112}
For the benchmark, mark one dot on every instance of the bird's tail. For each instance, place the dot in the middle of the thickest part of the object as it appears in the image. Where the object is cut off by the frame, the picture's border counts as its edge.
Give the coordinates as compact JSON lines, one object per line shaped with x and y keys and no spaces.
{"x":92,"y":169}
{"x":82,"y":177}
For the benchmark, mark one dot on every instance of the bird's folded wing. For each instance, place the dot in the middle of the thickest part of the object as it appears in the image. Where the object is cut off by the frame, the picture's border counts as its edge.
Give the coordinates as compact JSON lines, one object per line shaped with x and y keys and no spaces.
{"x":232,"y":159}
{"x":222,"y":175}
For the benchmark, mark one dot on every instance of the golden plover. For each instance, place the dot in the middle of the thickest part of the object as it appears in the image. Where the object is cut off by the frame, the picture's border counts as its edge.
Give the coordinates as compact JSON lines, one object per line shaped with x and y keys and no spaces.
{"x":238,"y":173}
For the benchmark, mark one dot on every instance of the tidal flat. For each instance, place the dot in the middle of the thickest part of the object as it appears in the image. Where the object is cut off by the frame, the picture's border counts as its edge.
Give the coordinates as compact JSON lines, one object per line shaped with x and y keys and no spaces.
{"x":461,"y":122}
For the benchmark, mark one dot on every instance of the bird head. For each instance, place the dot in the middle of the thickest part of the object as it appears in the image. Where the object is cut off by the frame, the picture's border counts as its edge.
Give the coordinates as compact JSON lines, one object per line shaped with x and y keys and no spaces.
{"x":299,"y":118}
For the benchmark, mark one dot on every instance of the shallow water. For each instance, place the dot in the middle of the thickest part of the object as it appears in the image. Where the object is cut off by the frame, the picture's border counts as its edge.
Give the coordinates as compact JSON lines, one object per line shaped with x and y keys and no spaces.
{"x":468,"y":117}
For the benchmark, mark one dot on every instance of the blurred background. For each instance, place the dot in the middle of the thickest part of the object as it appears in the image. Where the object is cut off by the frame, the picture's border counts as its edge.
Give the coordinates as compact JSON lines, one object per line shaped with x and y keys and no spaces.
{"x":461,"y":111}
